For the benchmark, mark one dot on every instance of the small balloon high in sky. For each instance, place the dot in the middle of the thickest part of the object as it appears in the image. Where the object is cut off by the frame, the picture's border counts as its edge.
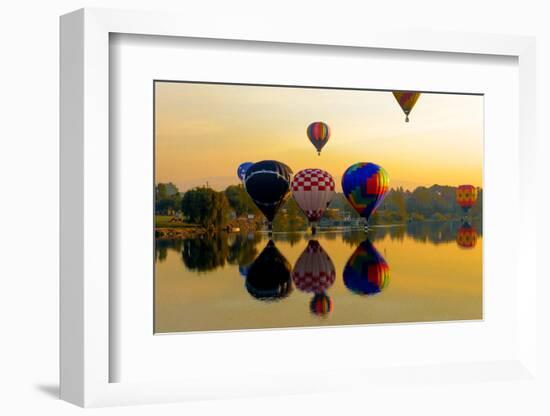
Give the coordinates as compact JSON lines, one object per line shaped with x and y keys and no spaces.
{"x":318,"y":134}
{"x":406,"y":100}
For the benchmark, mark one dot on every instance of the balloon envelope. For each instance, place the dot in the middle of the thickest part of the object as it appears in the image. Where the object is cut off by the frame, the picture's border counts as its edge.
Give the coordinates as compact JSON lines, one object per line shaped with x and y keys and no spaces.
{"x":318,"y":134}
{"x":313,"y":190}
{"x":241,"y":170}
{"x":406,"y":100}
{"x":365,"y":186}
{"x":466,"y":196}
{"x":268,"y":184}
{"x":366,"y":272}
{"x":314,"y":271}
{"x":269,"y":276}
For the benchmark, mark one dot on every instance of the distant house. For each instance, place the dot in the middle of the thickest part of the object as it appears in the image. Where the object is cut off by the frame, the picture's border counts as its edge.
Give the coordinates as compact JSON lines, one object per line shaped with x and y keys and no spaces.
{"x":250,"y":216}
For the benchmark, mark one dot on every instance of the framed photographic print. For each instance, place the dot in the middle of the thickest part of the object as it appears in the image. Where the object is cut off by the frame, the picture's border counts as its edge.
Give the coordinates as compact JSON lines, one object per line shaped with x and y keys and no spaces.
{"x":250,"y":214}
{"x":282,"y":243}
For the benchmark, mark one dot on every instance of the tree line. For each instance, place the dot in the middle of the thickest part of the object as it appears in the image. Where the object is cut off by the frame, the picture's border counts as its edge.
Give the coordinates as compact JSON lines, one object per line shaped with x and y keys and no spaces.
{"x":212,"y":209}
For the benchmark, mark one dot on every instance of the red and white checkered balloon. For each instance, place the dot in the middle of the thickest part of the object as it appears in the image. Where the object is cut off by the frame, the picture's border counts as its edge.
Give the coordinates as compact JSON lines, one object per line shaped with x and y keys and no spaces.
{"x":314,"y":271}
{"x":313,"y":190}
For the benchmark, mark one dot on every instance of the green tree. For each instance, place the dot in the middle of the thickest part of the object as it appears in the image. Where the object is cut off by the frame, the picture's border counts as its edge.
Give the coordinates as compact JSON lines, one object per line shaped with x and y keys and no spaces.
{"x":205,"y":207}
{"x":290,"y":217}
{"x":240,"y":201}
{"x":167,"y":198}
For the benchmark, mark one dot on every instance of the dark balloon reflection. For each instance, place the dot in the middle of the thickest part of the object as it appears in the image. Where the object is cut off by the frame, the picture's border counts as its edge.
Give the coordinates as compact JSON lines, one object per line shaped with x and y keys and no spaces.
{"x":366,"y":272}
{"x":466,"y":236}
{"x":314,"y":272}
{"x":268,"y":278}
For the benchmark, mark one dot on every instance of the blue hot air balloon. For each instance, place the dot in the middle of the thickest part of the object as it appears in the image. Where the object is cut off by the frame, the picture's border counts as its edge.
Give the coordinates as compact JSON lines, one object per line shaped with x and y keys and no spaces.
{"x":365,"y":185}
{"x":241,"y":170}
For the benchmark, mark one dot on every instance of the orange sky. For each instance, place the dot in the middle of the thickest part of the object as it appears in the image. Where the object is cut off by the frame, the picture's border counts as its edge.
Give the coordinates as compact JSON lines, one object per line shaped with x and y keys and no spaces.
{"x":204,"y":131}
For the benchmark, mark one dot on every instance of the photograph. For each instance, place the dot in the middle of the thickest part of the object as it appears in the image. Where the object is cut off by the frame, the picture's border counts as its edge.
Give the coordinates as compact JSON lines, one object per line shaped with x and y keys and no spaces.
{"x":282,"y":206}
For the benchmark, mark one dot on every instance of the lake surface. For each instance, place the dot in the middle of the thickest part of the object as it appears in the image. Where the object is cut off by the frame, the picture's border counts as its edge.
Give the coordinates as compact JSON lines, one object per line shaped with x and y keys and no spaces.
{"x":414,"y":273}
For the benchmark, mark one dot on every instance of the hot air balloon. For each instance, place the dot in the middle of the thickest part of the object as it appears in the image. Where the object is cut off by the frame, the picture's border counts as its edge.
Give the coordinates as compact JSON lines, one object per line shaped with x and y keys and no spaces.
{"x":314,"y":272}
{"x":321,"y":305}
{"x":365,"y":186}
{"x":313,"y":190}
{"x":406,"y":100}
{"x":241,"y":170}
{"x":466,"y":196}
{"x":318,"y":134}
{"x":466,"y":236}
{"x":366,"y":272}
{"x":268,"y":184}
{"x":269,"y":276}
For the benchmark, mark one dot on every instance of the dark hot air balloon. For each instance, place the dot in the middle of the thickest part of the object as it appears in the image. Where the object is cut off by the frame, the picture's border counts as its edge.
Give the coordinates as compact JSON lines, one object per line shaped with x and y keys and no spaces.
{"x":269,"y":278}
{"x":365,"y":186}
{"x":406,"y":100}
{"x":313,"y":190}
{"x":366,"y":272}
{"x":268,"y":184}
{"x":318,"y":134}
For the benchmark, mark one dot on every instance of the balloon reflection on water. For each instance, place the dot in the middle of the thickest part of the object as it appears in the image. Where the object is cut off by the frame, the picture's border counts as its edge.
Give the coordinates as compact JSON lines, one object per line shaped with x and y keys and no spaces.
{"x":320,"y":305}
{"x":466,"y":236}
{"x":366,"y":272}
{"x":268,"y":278}
{"x":314,"y":272}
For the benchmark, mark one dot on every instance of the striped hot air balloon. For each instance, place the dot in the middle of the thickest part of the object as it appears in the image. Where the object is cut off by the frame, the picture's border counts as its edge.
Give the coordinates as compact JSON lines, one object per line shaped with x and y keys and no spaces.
{"x":321,"y":305}
{"x":466,"y":196}
{"x":318,"y":134}
{"x":406,"y":100}
{"x":466,"y":236}
{"x":313,"y":190}
{"x":366,"y":272}
{"x":365,"y":185}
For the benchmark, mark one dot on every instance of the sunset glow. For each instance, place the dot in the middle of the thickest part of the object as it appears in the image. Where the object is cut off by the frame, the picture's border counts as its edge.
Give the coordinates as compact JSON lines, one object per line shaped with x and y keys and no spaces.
{"x":204,"y":131}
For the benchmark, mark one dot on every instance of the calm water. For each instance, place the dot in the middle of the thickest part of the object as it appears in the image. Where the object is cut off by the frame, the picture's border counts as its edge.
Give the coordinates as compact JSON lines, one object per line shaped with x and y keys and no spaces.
{"x":419,"y":272}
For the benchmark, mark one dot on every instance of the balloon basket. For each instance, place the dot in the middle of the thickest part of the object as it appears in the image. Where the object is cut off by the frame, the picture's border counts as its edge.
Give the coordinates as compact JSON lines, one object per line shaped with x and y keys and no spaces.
{"x":313,"y":229}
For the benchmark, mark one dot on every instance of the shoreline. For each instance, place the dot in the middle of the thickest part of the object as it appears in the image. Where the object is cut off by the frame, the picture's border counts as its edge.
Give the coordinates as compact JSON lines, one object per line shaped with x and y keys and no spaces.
{"x":195,"y":231}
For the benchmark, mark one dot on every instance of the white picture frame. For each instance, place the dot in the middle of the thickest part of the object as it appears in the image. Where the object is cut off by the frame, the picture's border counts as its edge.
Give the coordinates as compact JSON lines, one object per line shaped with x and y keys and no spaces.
{"x":85,"y":211}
